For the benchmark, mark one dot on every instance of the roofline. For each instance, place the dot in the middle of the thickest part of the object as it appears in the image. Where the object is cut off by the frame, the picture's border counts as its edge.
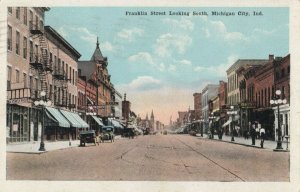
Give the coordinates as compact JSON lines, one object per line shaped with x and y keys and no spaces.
{"x":64,"y":42}
{"x":235,"y":63}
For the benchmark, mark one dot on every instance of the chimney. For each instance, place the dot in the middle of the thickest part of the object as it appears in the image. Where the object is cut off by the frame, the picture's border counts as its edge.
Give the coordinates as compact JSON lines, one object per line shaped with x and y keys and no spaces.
{"x":271,"y":57}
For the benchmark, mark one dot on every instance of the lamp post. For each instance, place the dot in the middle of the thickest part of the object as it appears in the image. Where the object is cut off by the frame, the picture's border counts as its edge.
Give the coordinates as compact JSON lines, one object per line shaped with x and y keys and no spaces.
{"x":43,"y":103}
{"x":277,"y":101}
{"x":232,"y":112}
{"x":212,"y":117}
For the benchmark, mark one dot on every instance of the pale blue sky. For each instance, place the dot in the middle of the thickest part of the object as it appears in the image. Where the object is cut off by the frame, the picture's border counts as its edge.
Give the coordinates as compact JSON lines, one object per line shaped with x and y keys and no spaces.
{"x":172,"y":56}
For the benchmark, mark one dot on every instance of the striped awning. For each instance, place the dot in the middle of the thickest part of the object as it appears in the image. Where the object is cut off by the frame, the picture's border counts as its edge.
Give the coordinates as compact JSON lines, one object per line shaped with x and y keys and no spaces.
{"x":98,"y":120}
{"x":74,"y":119}
{"x":56,"y":116}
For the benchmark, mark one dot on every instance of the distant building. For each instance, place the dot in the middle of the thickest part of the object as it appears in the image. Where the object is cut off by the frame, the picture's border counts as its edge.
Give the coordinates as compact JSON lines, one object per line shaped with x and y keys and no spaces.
{"x":126,"y":105}
{"x":210,"y":91}
{"x":197,"y":105}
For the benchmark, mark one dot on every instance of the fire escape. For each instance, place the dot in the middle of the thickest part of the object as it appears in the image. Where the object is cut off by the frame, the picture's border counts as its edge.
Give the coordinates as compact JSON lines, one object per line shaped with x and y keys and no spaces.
{"x":60,"y":80}
{"x":39,"y":61}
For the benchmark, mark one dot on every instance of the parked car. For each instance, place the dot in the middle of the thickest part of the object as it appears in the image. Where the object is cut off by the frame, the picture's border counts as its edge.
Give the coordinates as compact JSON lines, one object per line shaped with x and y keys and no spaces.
{"x":87,"y":137}
{"x":107,"y":134}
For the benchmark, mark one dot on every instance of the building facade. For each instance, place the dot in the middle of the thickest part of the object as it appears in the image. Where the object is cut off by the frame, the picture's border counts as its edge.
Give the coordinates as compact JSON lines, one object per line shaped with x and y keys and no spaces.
{"x":23,"y":84}
{"x":197,"y":105}
{"x":210,"y":91}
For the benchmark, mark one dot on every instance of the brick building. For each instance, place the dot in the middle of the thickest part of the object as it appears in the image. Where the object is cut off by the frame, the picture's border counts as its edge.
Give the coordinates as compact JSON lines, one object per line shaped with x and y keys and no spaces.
{"x":197,"y":106}
{"x":38,"y":59}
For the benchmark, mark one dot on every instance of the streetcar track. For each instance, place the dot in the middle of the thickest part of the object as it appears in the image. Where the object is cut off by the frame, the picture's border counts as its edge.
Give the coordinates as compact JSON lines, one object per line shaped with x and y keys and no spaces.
{"x":206,"y":157}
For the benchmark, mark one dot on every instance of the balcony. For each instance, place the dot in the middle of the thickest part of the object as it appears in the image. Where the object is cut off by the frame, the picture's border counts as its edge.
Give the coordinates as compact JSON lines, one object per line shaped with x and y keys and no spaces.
{"x":35,"y":29}
{"x":21,"y":95}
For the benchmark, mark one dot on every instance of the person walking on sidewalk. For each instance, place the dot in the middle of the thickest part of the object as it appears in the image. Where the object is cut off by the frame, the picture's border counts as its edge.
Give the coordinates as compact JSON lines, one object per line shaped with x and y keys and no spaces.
{"x":262,"y":137}
{"x":253,"y":135}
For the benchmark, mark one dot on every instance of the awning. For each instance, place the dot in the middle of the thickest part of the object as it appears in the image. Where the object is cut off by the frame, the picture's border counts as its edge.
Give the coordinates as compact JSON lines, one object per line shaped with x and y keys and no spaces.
{"x":80,"y":120}
{"x":71,"y":119}
{"x":54,"y":114}
{"x":116,"y":124}
{"x":98,"y":120}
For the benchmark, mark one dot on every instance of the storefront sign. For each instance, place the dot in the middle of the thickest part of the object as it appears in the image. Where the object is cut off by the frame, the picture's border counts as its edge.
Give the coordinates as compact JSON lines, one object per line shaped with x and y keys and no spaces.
{"x":16,"y":101}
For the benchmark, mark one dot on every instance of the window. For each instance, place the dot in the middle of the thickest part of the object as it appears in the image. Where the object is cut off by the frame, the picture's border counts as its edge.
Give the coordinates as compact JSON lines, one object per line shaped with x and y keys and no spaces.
{"x":36,"y":22}
{"x":63,"y":66}
{"x":31,"y":82}
{"x":25,"y":48}
{"x":73,"y":77}
{"x":288,"y":69}
{"x":41,"y":25}
{"x":67,"y":75}
{"x":18,"y":42}
{"x":30,"y":19}
{"x":55,"y":65}
{"x":31,"y":51}
{"x":17,"y":76}
{"x":70,"y":75}
{"x":9,"y":9}
{"x":25,"y":16}
{"x":36,"y":84}
{"x":58,"y":67}
{"x":282,"y":91}
{"x":8,"y":77}
{"x":18,"y":12}
{"x":25,"y":80}
{"x":9,"y":38}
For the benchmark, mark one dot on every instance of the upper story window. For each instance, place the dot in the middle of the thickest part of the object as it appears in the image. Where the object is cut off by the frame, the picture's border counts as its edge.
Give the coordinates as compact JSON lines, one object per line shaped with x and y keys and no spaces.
{"x":25,"y":48}
{"x":30,"y":19}
{"x":17,"y":76}
{"x":36,"y":22}
{"x":18,"y":42}
{"x":25,"y":16}
{"x":288,"y":69}
{"x":18,"y":12}
{"x":9,"y":38}
{"x":9,"y":9}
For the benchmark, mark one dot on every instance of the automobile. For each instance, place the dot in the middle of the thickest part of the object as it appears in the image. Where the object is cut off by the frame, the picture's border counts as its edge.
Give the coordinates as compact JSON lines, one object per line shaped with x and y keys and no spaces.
{"x":165,"y":132}
{"x":107,"y":134}
{"x":87,"y":137}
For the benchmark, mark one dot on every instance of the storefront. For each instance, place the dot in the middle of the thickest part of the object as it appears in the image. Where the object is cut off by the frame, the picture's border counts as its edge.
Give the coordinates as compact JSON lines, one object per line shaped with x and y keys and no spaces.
{"x":284,"y":121}
{"x":23,"y":123}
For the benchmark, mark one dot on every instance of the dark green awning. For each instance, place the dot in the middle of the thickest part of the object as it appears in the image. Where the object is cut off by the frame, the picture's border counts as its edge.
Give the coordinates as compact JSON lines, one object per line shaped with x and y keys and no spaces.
{"x":55,"y":115}
{"x":98,"y":120}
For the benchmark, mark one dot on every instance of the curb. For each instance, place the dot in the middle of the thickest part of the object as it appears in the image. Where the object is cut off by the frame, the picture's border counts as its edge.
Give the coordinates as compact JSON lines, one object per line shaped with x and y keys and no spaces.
{"x":246,"y":145}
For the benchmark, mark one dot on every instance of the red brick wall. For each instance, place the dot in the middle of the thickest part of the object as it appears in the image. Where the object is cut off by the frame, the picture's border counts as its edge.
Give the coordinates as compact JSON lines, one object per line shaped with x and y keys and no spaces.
{"x":197,"y":105}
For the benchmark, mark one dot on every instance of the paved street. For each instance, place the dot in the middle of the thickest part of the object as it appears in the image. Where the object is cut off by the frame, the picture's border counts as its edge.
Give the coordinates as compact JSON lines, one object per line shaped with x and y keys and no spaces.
{"x":153,"y":158}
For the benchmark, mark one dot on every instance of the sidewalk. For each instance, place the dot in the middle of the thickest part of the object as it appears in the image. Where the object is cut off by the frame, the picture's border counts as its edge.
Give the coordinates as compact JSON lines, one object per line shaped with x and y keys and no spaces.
{"x":33,"y":147}
{"x":270,"y":145}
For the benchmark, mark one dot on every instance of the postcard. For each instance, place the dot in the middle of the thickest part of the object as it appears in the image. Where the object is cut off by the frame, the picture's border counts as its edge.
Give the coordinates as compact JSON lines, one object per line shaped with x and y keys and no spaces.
{"x":150,"y":96}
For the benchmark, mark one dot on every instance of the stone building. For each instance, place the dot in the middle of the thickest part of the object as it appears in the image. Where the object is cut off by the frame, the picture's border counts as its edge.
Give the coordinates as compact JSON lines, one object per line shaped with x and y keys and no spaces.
{"x":23,"y":84}
{"x":209,"y":91}
{"x":41,"y":80}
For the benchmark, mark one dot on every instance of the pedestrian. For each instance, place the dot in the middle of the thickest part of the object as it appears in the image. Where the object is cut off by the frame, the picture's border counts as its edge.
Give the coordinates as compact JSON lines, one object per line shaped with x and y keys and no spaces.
{"x":253,"y":135}
{"x":256,"y":129}
{"x":262,"y":137}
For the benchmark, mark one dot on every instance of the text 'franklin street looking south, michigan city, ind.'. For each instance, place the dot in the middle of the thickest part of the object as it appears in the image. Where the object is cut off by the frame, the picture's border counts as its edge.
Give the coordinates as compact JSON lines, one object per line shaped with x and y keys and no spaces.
{"x":193,"y":13}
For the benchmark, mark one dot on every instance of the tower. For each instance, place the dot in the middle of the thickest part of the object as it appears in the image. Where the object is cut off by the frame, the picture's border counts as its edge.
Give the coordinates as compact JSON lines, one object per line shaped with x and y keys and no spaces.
{"x":152,"y":122}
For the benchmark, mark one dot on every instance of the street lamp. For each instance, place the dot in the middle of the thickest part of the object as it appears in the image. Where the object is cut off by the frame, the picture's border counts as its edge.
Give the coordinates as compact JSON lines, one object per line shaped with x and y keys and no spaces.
{"x":278,"y":101}
{"x":212,"y":117}
{"x":43,"y":103}
{"x":232,"y":112}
